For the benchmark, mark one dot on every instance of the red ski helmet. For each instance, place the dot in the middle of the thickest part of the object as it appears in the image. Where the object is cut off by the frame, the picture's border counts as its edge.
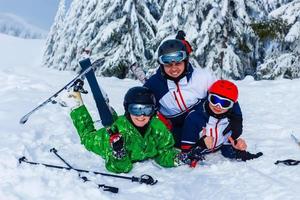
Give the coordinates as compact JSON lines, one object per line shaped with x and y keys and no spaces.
{"x":225,"y":89}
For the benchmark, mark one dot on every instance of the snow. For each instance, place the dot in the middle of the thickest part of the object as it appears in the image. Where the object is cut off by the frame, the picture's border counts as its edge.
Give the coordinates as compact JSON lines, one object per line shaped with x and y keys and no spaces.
{"x":270,"y":111}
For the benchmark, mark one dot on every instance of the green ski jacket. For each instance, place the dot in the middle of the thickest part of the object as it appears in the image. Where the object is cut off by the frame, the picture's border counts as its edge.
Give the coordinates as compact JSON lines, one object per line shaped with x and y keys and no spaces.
{"x":157,"y":143}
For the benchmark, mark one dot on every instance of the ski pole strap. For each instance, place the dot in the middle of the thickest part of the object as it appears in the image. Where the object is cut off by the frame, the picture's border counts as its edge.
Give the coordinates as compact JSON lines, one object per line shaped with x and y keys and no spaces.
{"x":145,"y":178}
{"x":289,"y":162}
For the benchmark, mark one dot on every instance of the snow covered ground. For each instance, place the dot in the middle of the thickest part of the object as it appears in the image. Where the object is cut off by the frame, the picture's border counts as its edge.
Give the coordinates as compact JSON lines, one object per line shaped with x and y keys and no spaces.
{"x":270,"y":111}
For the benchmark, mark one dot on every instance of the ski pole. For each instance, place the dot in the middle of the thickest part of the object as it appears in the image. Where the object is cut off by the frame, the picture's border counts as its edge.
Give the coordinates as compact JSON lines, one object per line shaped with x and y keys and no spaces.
{"x":24,"y":119}
{"x":84,"y":178}
{"x":295,"y":139}
{"x":106,"y":188}
{"x":147,"y":179}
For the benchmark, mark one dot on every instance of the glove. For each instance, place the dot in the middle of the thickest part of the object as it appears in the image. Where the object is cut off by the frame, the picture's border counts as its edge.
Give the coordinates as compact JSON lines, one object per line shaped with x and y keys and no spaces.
{"x":229,"y":151}
{"x":245,"y":155}
{"x":191,"y":157}
{"x":182,"y":158}
{"x":117,"y":144}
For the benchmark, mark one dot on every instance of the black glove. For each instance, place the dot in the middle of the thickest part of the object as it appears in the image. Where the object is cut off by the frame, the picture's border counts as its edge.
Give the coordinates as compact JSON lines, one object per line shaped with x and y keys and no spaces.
{"x":245,"y":155}
{"x":182,"y":158}
{"x":117,"y":143}
{"x":191,"y":157}
{"x":196,"y":153}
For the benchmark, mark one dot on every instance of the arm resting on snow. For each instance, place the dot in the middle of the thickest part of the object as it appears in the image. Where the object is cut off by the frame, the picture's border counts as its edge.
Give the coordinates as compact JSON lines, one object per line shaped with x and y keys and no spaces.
{"x":166,"y":151}
{"x":98,"y":141}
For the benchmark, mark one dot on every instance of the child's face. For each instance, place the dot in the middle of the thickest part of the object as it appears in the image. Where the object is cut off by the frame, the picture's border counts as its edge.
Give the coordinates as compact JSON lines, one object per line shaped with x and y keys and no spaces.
{"x":140,"y":121}
{"x":217,"y":109}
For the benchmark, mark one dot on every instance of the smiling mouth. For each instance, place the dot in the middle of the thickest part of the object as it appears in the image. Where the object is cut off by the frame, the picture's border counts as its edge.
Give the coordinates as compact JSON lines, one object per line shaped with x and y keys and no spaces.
{"x":174,"y":73}
{"x":140,"y":120}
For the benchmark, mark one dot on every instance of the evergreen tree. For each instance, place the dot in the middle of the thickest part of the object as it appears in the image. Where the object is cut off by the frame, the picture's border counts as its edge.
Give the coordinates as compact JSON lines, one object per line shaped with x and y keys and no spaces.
{"x":54,"y":34}
{"x":233,"y":38}
{"x":117,"y":32}
{"x":283,"y":60}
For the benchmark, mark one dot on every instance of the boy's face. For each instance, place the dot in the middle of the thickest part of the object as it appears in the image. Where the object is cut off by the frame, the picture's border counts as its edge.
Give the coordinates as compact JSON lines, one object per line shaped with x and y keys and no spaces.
{"x":217,"y":109}
{"x":140,"y":121}
{"x":219,"y":104}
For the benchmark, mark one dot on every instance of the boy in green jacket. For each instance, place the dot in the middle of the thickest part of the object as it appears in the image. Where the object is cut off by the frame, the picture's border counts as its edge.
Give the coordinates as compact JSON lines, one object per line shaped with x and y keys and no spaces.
{"x":135,"y":136}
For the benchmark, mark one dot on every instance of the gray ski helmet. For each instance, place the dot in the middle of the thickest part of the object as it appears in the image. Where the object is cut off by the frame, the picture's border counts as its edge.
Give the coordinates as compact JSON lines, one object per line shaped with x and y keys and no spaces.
{"x":138,"y":95}
{"x":170,"y":46}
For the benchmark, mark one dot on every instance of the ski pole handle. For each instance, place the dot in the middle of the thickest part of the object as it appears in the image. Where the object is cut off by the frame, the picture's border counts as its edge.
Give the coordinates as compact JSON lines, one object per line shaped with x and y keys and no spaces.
{"x":109,"y":188}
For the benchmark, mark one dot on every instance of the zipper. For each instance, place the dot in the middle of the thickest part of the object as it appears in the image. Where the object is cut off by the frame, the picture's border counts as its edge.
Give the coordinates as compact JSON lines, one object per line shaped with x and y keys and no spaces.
{"x":181,"y":98}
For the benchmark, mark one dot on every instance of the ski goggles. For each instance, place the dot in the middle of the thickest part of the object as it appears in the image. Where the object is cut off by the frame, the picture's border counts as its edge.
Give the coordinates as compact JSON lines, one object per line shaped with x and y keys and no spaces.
{"x":141,"y":109}
{"x":177,"y":56}
{"x":221,"y":101}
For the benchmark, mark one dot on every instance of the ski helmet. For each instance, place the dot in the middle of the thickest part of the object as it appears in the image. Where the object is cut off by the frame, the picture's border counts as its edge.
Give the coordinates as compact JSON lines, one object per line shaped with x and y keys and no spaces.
{"x":225,"y":89}
{"x":171,"y":46}
{"x":170,"y":51}
{"x":139,"y":95}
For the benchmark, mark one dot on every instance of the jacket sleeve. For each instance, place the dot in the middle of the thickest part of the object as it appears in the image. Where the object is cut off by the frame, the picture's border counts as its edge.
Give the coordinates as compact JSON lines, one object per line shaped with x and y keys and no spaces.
{"x":235,"y":122}
{"x":98,"y":141}
{"x":165,"y":146}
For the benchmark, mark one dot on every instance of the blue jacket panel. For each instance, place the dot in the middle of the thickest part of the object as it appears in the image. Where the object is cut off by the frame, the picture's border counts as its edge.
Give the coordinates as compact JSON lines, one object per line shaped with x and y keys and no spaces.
{"x":202,"y":117}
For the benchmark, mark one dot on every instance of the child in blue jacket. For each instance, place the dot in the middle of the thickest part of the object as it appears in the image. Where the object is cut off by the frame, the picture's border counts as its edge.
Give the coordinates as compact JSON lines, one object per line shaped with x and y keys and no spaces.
{"x":215,"y":125}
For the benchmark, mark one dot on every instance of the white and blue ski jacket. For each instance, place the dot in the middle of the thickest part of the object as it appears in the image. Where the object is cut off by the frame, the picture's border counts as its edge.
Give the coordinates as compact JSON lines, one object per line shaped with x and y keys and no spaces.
{"x":177,"y":98}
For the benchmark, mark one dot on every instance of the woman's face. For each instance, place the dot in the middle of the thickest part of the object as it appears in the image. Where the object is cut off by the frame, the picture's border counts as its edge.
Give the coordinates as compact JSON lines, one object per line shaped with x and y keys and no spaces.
{"x":140,"y":121}
{"x":174,"y":69}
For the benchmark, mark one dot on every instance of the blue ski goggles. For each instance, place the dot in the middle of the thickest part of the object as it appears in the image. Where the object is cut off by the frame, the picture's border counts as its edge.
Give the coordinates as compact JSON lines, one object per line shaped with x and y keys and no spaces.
{"x":141,"y":109}
{"x":177,"y":56}
{"x":221,"y":101}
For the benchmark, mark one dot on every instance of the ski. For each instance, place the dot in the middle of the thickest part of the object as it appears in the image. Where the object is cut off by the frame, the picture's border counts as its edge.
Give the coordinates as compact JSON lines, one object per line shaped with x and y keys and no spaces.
{"x":146,"y":179}
{"x":84,"y":178}
{"x":51,"y":99}
{"x":103,"y":109}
